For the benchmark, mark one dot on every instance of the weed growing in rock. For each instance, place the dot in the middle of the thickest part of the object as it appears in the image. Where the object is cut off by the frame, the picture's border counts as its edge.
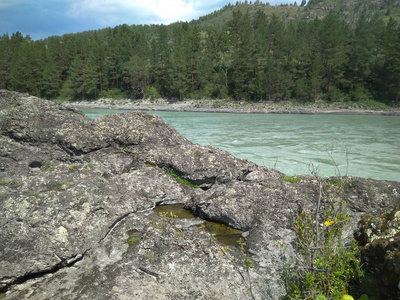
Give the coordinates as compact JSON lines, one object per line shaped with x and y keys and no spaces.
{"x":155,"y":225}
{"x":46,"y":167}
{"x":36,"y":195}
{"x":14,"y":184}
{"x":90,"y":271}
{"x":173,"y":174}
{"x":132,"y":240}
{"x":169,"y":216}
{"x":168,"y":220}
{"x":72,"y":167}
{"x":324,"y":267}
{"x":291,"y":179}
{"x":5,"y":182}
{"x":248,"y":263}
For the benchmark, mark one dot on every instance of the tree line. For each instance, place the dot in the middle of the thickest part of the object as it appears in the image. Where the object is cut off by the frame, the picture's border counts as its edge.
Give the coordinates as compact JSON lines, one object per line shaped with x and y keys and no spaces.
{"x":252,"y":56}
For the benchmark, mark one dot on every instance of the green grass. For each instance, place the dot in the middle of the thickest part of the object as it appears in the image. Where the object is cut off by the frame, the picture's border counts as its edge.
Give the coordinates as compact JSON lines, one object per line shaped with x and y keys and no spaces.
{"x":47,"y":167}
{"x":114,"y":94}
{"x":61,"y":185}
{"x":373,"y":104}
{"x":5,"y":182}
{"x":173,"y":174}
{"x":291,"y":179}
{"x":336,"y":182}
{"x":72,"y":168}
{"x":131,"y":240}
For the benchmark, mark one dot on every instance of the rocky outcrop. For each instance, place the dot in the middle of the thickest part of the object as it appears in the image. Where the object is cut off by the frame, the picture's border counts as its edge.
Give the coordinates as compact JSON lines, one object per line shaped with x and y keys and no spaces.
{"x":77,"y":200}
{"x":379,"y":237}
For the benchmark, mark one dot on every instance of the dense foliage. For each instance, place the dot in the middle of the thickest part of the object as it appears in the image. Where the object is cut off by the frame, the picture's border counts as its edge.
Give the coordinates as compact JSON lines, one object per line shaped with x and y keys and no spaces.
{"x":248,"y":51}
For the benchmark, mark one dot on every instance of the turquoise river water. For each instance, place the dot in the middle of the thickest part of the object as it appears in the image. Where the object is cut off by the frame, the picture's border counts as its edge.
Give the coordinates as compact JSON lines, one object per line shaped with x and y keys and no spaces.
{"x":291,"y":142}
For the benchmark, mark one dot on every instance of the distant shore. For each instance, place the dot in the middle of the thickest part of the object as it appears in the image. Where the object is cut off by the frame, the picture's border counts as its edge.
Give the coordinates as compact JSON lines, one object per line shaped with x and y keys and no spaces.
{"x":224,"y":106}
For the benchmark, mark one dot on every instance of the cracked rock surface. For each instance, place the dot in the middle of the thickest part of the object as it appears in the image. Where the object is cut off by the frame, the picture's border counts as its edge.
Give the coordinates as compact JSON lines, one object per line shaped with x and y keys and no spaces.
{"x":77,"y":220}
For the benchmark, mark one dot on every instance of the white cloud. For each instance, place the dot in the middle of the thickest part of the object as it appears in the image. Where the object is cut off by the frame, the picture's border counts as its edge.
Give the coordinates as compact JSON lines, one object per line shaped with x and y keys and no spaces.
{"x":168,"y":11}
{"x":126,"y":11}
{"x":41,"y":18}
{"x":115,"y":12}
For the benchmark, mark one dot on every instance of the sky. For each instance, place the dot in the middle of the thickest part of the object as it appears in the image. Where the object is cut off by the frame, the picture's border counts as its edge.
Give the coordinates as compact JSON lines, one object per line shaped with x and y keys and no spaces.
{"x":43,"y":18}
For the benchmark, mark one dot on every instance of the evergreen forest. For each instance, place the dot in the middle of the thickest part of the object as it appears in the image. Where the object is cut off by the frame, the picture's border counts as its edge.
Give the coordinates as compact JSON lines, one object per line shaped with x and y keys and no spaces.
{"x":343,"y":50}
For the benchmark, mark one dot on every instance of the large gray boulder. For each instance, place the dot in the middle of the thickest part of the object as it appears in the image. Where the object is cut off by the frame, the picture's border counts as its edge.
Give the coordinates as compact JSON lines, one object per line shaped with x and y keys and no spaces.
{"x":77,"y":199}
{"x":379,"y":238}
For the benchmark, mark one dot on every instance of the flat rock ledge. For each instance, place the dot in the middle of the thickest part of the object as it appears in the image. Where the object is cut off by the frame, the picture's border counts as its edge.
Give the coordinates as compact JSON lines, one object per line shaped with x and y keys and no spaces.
{"x":77,"y":217}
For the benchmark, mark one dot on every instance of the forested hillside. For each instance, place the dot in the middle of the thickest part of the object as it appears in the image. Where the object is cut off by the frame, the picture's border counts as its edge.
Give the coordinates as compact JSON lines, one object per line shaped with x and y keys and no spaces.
{"x":325,"y":49}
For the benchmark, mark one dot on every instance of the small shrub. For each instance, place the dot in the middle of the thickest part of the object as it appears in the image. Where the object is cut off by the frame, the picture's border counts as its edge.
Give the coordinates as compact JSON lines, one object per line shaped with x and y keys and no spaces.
{"x":327,"y":266}
{"x":114,"y":94}
{"x":217,"y":104}
{"x":324,"y":267}
{"x":247,"y":262}
{"x":336,"y":182}
{"x":373,"y":104}
{"x":360,"y":94}
{"x":152,"y":93}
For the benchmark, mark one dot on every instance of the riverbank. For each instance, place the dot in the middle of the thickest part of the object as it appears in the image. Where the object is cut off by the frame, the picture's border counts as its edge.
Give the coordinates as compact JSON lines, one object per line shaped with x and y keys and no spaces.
{"x":226,"y":106}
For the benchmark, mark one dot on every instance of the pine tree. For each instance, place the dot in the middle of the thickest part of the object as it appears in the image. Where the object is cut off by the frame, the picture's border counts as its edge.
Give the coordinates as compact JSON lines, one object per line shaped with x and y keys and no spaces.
{"x":333,"y":49}
{"x":160,"y":60}
{"x":51,"y":81}
{"x":179,"y":84}
{"x":83,"y":78}
{"x":242,"y":38}
{"x":5,"y":61}
{"x":392,"y":55}
{"x":137,"y":75}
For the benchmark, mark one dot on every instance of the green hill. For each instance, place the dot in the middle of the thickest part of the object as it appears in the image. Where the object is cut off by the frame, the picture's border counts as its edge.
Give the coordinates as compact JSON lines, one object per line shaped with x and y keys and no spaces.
{"x":342,"y":50}
{"x":350,"y":9}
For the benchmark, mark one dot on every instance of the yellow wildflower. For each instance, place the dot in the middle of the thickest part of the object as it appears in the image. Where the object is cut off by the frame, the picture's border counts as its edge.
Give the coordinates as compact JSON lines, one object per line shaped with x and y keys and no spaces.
{"x":329,"y":222}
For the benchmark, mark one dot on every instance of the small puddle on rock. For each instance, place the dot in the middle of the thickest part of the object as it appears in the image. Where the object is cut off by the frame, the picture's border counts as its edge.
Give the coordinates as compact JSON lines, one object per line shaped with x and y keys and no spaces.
{"x":224,"y":234}
{"x":176,"y":209}
{"x":134,"y":236}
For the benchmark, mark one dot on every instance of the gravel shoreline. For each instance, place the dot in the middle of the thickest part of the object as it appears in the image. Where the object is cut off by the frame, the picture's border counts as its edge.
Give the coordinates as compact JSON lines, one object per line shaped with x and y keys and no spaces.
{"x":216,"y":106}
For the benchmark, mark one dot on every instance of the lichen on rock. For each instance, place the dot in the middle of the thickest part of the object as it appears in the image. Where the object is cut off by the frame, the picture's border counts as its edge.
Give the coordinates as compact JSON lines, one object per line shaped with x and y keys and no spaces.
{"x":72,"y":187}
{"x":379,"y":238}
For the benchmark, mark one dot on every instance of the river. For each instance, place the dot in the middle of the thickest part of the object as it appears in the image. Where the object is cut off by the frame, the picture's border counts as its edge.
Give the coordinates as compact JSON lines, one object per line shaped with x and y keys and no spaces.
{"x":354,"y":145}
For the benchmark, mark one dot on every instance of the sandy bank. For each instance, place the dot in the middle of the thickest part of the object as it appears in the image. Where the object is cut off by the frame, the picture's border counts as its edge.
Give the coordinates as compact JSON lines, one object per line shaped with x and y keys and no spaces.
{"x":217,"y":106}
